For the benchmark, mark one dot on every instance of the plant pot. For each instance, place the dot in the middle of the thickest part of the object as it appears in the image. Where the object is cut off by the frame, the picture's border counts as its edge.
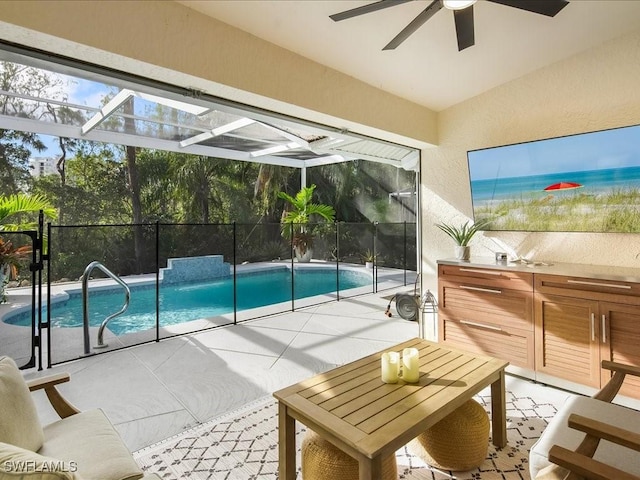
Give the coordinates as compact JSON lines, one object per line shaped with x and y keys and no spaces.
{"x":4,"y":279}
{"x":303,"y":257}
{"x":463,"y":252}
{"x":368,"y":265}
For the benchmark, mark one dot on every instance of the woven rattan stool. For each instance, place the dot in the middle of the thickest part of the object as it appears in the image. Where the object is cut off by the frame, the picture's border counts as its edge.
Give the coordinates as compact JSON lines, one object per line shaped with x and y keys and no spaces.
{"x":321,"y":460}
{"x":458,"y":442}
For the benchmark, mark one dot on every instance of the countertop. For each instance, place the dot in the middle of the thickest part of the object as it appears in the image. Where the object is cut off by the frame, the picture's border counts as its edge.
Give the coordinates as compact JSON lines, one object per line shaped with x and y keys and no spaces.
{"x":602,"y":272}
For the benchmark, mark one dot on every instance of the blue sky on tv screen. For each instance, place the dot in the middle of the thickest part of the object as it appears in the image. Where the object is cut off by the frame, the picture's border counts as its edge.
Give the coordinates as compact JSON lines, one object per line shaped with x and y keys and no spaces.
{"x":618,"y":148}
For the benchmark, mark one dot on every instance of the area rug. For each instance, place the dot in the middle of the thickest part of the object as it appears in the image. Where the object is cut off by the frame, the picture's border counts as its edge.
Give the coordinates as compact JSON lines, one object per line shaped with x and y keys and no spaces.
{"x":243,"y":445}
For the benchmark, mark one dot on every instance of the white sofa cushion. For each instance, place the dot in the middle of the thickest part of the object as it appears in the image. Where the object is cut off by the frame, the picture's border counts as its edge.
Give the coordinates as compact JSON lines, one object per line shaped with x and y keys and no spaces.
{"x":559,"y":433}
{"x":20,"y":464}
{"x":19,"y":422}
{"x":90,"y":440}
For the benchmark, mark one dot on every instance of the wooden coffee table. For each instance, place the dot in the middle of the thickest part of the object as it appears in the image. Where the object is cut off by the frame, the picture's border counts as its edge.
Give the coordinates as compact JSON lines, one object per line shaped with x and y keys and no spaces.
{"x":352,"y":408}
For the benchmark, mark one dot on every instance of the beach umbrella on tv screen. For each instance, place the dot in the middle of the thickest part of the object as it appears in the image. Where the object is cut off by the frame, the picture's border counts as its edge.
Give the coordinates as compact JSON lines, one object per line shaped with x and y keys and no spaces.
{"x":562,"y":186}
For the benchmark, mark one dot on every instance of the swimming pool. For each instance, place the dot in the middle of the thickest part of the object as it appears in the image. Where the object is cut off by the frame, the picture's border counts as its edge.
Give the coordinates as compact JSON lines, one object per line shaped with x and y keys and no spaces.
{"x":181,"y":303}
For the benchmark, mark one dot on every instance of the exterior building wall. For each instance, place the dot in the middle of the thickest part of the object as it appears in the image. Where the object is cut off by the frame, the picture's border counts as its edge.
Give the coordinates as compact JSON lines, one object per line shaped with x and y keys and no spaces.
{"x":39,"y":166}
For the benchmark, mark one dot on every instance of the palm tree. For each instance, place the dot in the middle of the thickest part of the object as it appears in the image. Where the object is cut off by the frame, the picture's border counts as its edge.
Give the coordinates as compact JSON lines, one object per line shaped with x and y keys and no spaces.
{"x":296,"y":221}
{"x":11,"y":207}
{"x":21,"y":204}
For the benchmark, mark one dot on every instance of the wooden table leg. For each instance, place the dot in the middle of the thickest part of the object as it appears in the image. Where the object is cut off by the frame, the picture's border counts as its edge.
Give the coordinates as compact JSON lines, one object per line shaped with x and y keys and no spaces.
{"x":286,"y":444}
{"x":370,"y":469}
{"x":499,"y":412}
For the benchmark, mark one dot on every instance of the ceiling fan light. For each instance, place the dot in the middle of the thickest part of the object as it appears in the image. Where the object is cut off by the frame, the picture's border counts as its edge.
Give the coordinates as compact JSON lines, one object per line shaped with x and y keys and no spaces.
{"x":458,"y":4}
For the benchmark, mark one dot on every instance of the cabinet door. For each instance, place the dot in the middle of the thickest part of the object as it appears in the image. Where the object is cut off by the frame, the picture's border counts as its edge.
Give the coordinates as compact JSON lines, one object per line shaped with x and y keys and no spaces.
{"x":566,"y":339}
{"x":620,"y":341}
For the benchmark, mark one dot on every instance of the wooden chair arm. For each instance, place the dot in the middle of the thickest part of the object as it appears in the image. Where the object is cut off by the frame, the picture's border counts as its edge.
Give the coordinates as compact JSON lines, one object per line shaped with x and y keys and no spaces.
{"x":586,"y":467}
{"x":605,"y":431}
{"x":58,"y":402}
{"x":610,"y":390}
{"x":620,"y":367}
{"x":49,"y":380}
{"x":580,"y":464}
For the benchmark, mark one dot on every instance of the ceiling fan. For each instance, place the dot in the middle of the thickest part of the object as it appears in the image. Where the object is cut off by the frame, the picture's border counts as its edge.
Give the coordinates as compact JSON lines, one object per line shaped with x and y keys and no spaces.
{"x":462,"y":14}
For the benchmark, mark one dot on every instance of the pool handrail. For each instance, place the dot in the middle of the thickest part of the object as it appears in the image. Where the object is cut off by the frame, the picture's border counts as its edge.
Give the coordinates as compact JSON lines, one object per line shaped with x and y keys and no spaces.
{"x":85,"y":303}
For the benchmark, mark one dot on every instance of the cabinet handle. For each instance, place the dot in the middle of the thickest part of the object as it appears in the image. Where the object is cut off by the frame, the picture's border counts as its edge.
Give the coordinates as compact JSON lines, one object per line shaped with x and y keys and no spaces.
{"x":481,"y":325}
{"x":593,"y":327}
{"x":604,"y":331}
{"x":486,"y":272}
{"x":600,"y":284}
{"x":478,"y":289}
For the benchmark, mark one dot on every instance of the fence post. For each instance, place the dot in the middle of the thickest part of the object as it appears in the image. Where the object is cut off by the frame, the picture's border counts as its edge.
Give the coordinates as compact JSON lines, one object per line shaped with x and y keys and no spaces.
{"x":235,"y":290}
{"x":375,"y":257}
{"x":37,"y":265}
{"x":404,"y":254}
{"x":337,"y":261}
{"x":293,"y":296}
{"x":157,"y":280}
{"x":48,"y":323}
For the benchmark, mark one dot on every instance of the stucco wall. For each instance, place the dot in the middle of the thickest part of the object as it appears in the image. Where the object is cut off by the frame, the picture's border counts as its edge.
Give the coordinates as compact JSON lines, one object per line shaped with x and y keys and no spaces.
{"x":594,"y":90}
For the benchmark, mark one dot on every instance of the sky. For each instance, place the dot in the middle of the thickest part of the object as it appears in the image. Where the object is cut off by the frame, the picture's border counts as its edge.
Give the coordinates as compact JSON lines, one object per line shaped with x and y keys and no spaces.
{"x":79,"y":91}
{"x":617,"y":148}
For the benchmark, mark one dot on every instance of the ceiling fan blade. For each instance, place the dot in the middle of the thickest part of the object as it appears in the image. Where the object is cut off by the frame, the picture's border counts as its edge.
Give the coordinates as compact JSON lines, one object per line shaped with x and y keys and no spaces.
{"x":372,"y":7}
{"x":464,"y":27}
{"x":550,"y":8}
{"x":415,"y":24}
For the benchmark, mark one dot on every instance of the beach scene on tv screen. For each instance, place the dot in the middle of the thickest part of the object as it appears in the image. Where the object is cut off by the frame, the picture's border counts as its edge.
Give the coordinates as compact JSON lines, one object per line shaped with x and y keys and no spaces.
{"x":581,"y":183}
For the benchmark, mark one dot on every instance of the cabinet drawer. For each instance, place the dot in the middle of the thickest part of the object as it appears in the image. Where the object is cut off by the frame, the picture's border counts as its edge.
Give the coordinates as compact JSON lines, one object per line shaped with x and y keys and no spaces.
{"x":512,"y":345}
{"x":487,"y":305}
{"x":487,"y":277}
{"x":589,"y":288}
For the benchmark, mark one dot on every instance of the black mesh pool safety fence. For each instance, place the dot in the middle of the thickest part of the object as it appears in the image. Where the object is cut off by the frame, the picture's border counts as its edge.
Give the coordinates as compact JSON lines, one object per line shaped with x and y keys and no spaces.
{"x":184,"y":278}
{"x":20,"y":277}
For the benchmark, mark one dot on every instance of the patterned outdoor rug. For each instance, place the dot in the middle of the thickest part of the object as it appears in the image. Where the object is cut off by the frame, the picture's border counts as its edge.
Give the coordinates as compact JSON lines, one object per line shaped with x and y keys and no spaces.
{"x":243,"y":445}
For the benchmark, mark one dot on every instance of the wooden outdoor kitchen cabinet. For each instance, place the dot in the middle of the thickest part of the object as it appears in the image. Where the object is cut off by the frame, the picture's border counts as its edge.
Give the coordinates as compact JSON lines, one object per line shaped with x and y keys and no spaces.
{"x":582,"y":321}
{"x":487,"y":311}
{"x":555,"y":322}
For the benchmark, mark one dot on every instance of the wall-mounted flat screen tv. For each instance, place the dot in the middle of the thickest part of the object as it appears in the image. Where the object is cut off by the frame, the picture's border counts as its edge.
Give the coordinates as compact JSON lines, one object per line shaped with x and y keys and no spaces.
{"x":580,"y":183}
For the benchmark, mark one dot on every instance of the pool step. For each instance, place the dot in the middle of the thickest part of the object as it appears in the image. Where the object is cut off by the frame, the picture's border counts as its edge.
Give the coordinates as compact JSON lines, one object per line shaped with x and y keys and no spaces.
{"x":193,"y":269}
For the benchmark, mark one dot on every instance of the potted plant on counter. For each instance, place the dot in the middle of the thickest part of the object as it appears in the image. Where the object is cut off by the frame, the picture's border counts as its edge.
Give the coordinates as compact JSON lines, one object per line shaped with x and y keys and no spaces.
{"x":462,"y":235}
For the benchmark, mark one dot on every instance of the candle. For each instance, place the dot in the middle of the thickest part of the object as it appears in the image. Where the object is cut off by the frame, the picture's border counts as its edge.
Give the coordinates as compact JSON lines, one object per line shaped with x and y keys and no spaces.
{"x":410,"y":367}
{"x":390,"y":363}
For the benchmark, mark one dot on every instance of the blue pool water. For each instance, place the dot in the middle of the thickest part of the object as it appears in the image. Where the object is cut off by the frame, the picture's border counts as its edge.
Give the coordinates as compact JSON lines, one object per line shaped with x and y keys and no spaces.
{"x":181,"y":303}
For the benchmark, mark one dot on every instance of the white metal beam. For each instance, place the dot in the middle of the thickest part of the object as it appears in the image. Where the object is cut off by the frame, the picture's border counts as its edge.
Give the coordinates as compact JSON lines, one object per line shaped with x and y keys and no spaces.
{"x":222,"y":129}
{"x":354,"y":156}
{"x":326,"y":160}
{"x":300,"y":142}
{"x":178,"y":105}
{"x":274,"y":149}
{"x":100,"y":116}
{"x":117,"y":138}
